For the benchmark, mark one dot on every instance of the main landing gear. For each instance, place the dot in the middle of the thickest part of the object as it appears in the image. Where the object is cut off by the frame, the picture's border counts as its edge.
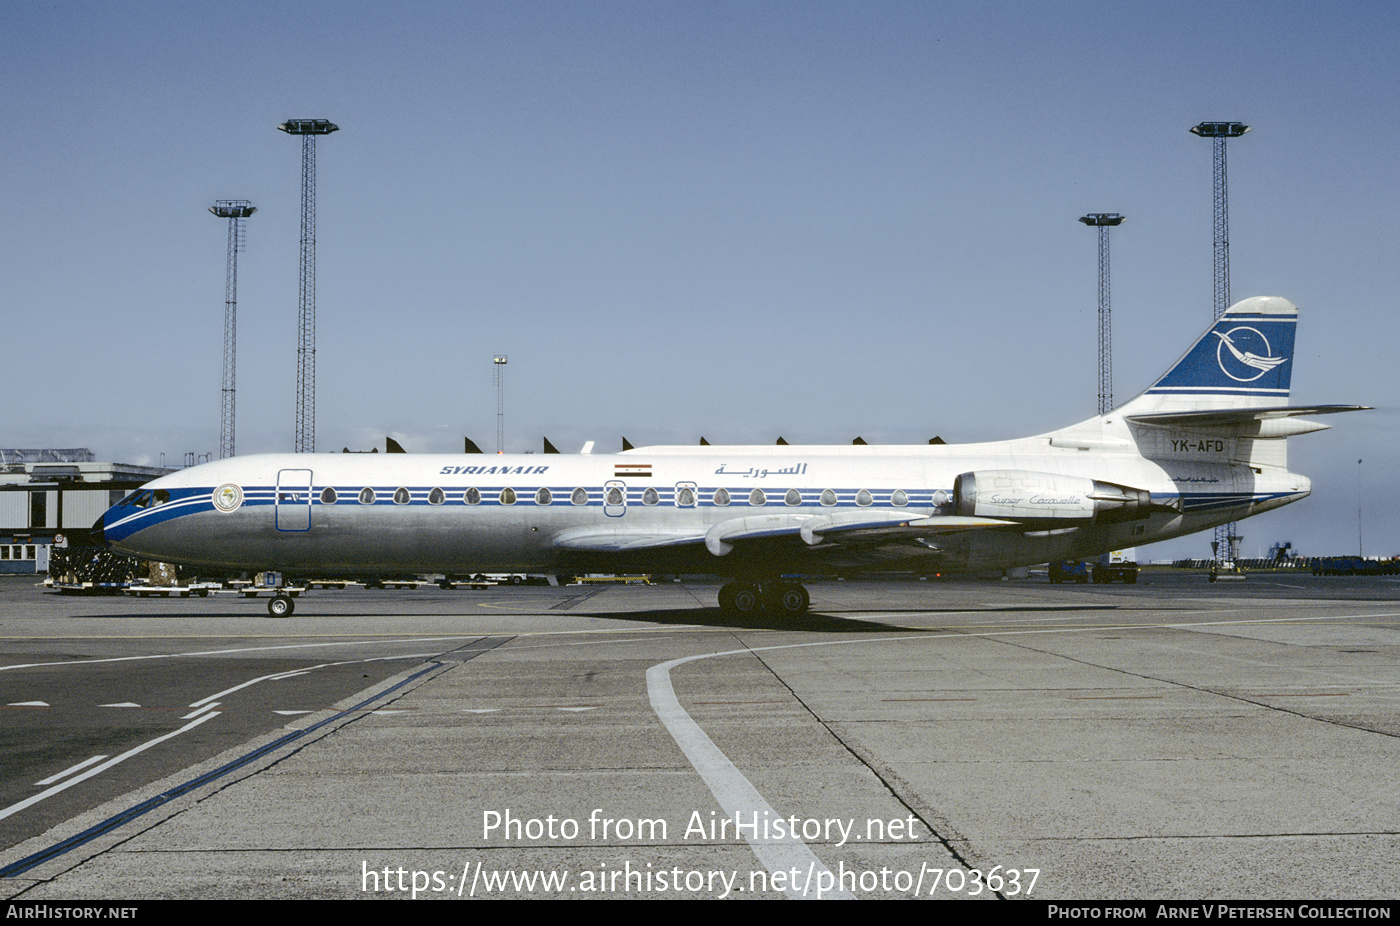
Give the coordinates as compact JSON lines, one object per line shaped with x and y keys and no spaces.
{"x":777,"y":597}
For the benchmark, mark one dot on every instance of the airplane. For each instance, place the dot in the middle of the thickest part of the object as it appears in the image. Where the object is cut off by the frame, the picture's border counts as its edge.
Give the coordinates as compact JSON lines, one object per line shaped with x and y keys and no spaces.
{"x":1202,"y":446}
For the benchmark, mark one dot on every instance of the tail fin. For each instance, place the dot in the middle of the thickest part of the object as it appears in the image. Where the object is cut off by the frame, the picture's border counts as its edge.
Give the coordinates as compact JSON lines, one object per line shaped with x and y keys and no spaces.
{"x":1245,"y":360}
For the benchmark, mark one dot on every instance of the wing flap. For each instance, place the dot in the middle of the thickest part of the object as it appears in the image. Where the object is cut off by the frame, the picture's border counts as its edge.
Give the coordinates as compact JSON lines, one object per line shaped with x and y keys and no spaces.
{"x":620,"y":539}
{"x":853,"y":527}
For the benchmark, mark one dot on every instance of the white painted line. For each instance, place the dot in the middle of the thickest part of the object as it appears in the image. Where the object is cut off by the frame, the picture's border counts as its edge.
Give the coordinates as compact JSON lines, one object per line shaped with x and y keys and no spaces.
{"x":207,"y":707}
{"x":735,"y":793}
{"x":16,"y":808}
{"x":70,"y":770}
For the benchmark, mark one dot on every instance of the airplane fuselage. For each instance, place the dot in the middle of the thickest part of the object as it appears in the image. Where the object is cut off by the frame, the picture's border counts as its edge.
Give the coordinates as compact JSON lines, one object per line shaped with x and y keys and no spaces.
{"x":333,"y":515}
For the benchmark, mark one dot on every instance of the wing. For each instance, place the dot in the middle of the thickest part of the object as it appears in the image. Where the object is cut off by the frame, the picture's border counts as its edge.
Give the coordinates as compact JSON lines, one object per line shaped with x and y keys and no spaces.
{"x":852,"y":537}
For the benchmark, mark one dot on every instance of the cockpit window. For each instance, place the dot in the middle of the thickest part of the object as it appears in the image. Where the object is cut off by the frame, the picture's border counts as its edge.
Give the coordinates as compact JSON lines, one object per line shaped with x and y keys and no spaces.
{"x":141,"y":498}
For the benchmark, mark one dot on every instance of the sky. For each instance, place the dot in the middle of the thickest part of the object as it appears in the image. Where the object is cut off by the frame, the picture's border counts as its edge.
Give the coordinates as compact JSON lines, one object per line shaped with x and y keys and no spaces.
{"x":683,"y":219}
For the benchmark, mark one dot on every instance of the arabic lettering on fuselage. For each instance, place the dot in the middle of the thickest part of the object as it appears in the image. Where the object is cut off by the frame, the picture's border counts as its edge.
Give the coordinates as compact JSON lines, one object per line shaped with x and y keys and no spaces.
{"x":754,"y":472}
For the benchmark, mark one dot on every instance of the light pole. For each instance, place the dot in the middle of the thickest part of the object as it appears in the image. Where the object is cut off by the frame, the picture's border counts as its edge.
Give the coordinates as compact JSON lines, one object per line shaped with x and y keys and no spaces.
{"x":237,"y":212}
{"x":499,"y":362}
{"x":308,"y":129}
{"x":1219,"y":133}
{"x":1103,"y":221}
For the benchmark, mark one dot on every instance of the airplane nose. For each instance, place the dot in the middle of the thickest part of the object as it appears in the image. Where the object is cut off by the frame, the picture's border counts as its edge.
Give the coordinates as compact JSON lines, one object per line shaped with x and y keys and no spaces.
{"x":98,"y":532}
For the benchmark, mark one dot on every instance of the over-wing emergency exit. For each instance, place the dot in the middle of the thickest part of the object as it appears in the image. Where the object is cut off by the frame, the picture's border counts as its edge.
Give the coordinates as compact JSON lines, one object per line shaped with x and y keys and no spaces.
{"x":1204,"y":445}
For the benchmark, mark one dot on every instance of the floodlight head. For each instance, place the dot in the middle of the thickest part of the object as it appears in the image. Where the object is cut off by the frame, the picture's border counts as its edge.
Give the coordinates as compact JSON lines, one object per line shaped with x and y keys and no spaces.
{"x":1220,"y":129}
{"x":1102,"y":218}
{"x":232,"y":208}
{"x":500,"y":361}
{"x":309,"y":127}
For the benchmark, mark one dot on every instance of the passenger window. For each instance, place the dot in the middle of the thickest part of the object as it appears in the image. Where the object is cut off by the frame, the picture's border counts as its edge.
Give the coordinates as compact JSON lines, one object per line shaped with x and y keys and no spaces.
{"x":437,"y":497}
{"x":401,"y":496}
{"x":828,"y":497}
{"x":507,"y":496}
{"x":543,"y":496}
{"x":793,"y":498}
{"x":899,"y":499}
{"x":328,"y":496}
{"x":721,"y":497}
{"x":650,"y":497}
{"x":685,"y":497}
{"x":472,"y":496}
{"x":366,"y":496}
{"x":579,"y":496}
{"x":757,"y":499}
{"x":614,"y":496}
{"x":864,"y":498}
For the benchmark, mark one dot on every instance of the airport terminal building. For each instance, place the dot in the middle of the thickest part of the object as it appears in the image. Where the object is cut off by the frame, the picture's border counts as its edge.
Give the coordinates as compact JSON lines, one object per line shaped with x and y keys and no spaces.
{"x":49,"y":496}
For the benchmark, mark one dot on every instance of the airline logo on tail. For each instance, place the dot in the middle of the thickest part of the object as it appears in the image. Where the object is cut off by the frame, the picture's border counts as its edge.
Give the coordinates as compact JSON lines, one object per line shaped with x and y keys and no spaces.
{"x":1245,"y":366}
{"x":1245,"y":354}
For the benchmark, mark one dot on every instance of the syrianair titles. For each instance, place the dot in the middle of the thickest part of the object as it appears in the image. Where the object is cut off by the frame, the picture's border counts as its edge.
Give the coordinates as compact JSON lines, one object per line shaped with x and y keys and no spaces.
{"x":1206,"y":444}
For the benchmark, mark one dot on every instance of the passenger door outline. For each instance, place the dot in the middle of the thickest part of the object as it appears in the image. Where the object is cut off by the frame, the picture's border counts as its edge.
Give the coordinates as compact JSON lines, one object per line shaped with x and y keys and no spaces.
{"x":293,"y":500}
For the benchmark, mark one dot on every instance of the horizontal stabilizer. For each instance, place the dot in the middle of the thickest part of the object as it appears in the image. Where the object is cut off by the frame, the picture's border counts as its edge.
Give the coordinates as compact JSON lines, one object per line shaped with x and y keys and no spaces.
{"x":1227,"y":417}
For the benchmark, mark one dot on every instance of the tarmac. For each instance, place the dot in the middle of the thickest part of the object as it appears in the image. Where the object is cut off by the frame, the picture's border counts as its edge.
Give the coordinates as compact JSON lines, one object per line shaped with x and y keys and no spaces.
{"x":941,"y":740}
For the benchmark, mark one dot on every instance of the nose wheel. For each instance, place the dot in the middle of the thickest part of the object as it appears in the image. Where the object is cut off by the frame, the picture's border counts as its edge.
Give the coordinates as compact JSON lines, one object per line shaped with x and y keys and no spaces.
{"x":788,"y":598}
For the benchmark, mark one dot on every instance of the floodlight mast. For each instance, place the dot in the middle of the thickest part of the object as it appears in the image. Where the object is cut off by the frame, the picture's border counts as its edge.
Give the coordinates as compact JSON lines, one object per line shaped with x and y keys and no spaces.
{"x":308,"y":129}
{"x":499,"y":368}
{"x":1104,"y":221}
{"x":237,"y":212}
{"x":1219,"y":133}
{"x":1226,"y":540}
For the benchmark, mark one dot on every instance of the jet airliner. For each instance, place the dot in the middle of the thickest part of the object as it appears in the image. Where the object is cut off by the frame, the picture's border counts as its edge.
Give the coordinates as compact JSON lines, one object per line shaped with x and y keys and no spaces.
{"x":1204,"y":445}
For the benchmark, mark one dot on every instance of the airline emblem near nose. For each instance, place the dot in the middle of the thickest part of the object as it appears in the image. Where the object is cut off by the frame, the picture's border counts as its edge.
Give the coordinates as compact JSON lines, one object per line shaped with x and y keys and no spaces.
{"x":228,"y":497}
